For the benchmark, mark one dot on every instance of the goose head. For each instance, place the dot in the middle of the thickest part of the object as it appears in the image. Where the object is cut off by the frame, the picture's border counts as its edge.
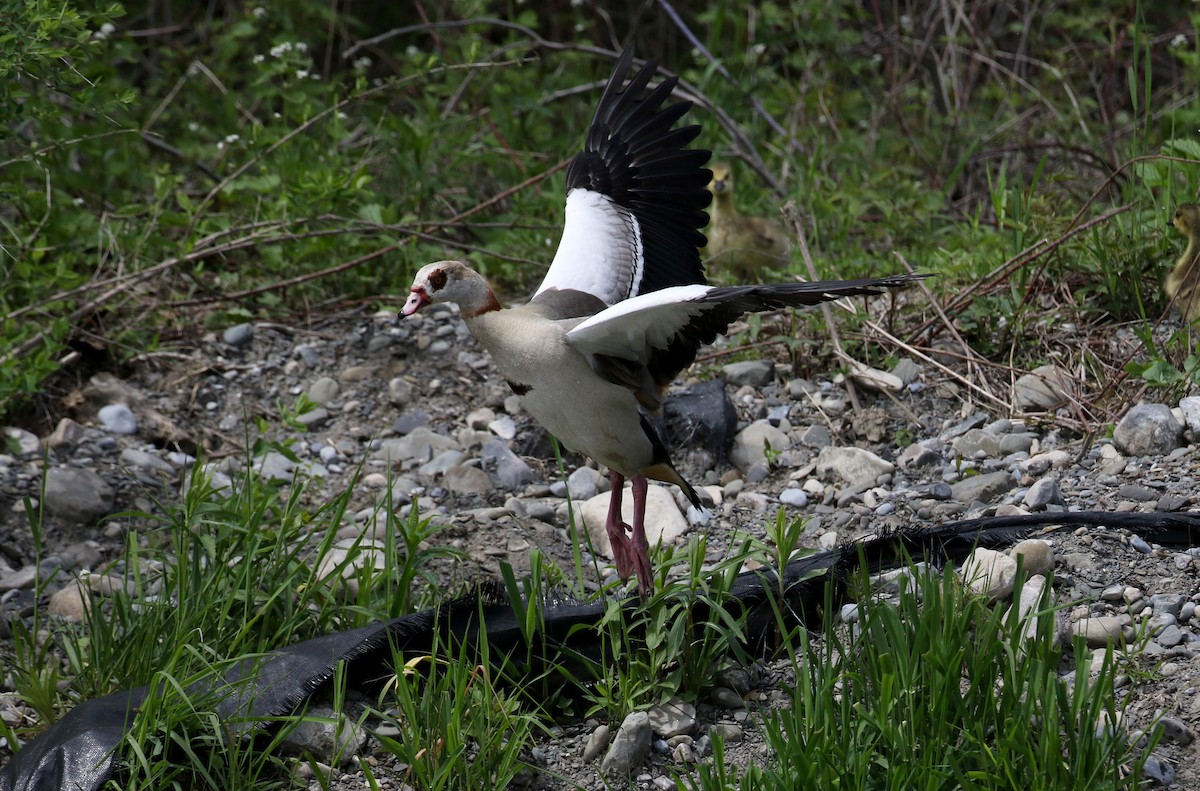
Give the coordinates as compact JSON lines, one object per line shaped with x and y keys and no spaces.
{"x":451,"y":281}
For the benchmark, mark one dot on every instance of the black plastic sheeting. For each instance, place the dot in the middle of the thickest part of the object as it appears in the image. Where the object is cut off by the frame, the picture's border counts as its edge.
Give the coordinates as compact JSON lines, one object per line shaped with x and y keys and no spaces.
{"x":79,"y":752}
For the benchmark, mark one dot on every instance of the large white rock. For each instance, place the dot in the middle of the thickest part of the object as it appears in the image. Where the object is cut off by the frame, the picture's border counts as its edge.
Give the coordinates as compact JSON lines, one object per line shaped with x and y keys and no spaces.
{"x":420,"y":444}
{"x":664,"y":522}
{"x":875,"y":379}
{"x":852,"y":465}
{"x":1043,"y":389}
{"x":1027,"y":607}
{"x":1190,"y":407}
{"x":751,"y":443}
{"x":1148,"y":430}
{"x":989,"y":572}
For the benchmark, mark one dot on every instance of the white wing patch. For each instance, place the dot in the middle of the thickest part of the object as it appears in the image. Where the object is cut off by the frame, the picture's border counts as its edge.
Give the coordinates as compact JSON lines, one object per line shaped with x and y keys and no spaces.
{"x":631,"y":329}
{"x":600,"y":251}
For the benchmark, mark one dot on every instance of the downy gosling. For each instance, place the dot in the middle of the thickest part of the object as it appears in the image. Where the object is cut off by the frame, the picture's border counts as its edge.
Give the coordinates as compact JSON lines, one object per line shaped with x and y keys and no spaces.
{"x":1181,"y":283}
{"x":740,"y":247}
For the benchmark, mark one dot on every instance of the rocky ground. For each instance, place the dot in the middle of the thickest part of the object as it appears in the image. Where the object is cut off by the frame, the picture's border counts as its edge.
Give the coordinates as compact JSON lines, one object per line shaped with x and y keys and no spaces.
{"x":418,"y":401}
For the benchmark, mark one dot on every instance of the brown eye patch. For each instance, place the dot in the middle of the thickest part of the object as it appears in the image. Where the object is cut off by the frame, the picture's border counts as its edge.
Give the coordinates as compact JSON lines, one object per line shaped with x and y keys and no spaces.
{"x":438,"y":279}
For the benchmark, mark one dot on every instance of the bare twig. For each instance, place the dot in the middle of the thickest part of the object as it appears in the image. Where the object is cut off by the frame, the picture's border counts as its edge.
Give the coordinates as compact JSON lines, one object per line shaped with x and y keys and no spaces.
{"x":345,"y":265}
{"x":293,"y":281}
{"x":792,"y":217}
{"x":1030,"y":254}
{"x":973,"y":360}
{"x":964,"y":381}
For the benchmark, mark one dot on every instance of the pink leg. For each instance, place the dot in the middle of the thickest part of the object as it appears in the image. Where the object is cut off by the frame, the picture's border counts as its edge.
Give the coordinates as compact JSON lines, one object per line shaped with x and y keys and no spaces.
{"x":639,"y":546}
{"x":622,"y":549}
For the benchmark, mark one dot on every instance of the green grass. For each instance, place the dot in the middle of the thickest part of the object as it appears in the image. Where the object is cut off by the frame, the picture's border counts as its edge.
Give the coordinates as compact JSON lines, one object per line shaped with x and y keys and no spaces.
{"x":458,"y":730}
{"x":225,"y":575}
{"x":940,"y":691}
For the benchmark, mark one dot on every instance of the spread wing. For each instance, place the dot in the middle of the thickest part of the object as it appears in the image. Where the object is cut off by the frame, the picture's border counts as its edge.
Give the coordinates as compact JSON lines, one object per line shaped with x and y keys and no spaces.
{"x":635,"y":196}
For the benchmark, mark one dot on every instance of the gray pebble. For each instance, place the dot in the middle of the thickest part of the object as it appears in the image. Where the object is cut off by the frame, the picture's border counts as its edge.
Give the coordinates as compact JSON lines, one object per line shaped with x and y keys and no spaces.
{"x":313,"y":417}
{"x":1113,"y":593}
{"x":1170,"y":637}
{"x":629,"y":746}
{"x":512,"y":471}
{"x":399,"y":392}
{"x":1148,"y":430}
{"x":1159,"y":770}
{"x":1171,"y":603}
{"x":940,"y":491}
{"x":28,"y":444}
{"x":672,"y":718}
{"x":1043,"y":493}
{"x":1137,"y":493}
{"x":308,"y":353}
{"x":738,"y":679}
{"x":503,"y":427}
{"x":1140,"y":545}
{"x":1172,"y":502}
{"x":180,"y":459}
{"x":583,"y":484}
{"x":148,"y":461}
{"x":816,"y":437}
{"x":758,"y":472}
{"x":1175,"y":730}
{"x":755,"y":373}
{"x":984,"y":488}
{"x":1101,"y":630}
{"x":793,"y":497}
{"x":778,"y":415}
{"x":726,"y":698}
{"x":239,"y":334}
{"x":730,"y":733}
{"x":77,"y":495}
{"x":117,"y":418}
{"x":411,"y":420}
{"x":323,"y":390}
{"x":596,"y":742}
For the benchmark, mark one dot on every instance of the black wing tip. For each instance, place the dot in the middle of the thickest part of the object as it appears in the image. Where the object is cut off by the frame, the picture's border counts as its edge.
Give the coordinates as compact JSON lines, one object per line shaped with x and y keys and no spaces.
{"x":635,"y":155}
{"x":732,"y":301}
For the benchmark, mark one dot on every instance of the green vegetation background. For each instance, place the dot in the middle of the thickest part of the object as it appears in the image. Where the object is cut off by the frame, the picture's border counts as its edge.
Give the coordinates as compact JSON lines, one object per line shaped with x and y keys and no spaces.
{"x":166,"y":165}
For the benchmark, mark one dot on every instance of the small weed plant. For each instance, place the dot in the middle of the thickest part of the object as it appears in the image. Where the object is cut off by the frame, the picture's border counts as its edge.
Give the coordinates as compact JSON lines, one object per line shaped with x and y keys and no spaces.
{"x":456,"y":729}
{"x":674,"y":641}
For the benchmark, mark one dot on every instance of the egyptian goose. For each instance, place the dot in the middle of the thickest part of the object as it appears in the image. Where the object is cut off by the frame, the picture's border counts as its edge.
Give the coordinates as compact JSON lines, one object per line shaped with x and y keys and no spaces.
{"x":1181,"y":283}
{"x":624,"y":306}
{"x":738,"y":244}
